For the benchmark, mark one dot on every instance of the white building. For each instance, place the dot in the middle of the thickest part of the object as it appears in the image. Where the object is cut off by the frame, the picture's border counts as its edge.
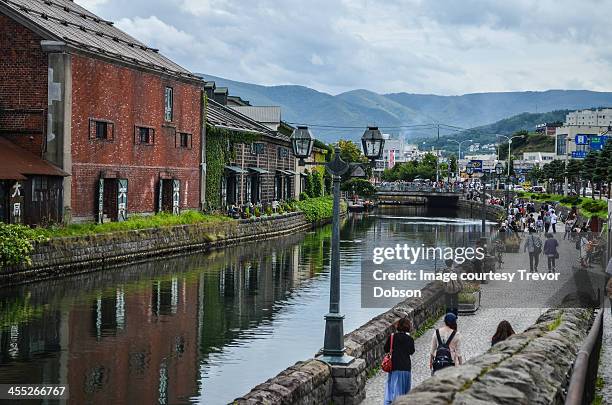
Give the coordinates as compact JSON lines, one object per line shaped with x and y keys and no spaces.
{"x":576,"y":141}
{"x":539,"y":158}
{"x":594,"y":118}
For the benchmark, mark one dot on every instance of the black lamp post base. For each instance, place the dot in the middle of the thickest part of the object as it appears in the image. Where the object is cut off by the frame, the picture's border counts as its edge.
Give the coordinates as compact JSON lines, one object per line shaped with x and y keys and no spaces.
{"x":343,"y":360}
{"x":333,"y":346}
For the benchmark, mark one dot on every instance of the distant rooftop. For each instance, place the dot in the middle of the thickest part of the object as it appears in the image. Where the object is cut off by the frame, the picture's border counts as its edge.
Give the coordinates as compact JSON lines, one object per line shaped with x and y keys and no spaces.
{"x":265,"y":114}
{"x":66,"y":21}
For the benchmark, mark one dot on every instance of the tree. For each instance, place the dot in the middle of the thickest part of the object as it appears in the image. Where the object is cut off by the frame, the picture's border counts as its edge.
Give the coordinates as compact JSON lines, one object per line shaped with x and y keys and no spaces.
{"x":309,"y":186}
{"x":361,"y":187}
{"x":573,"y":171}
{"x":317,"y":184}
{"x":589,"y":167}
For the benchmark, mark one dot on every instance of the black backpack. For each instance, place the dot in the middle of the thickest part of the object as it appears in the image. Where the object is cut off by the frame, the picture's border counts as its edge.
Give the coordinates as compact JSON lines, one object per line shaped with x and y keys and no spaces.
{"x":443,"y":357}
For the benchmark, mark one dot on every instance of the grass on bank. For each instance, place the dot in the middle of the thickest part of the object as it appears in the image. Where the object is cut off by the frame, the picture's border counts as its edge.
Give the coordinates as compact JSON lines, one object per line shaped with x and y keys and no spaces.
{"x":134,"y":222}
{"x":588,"y":207}
{"x":318,"y":208}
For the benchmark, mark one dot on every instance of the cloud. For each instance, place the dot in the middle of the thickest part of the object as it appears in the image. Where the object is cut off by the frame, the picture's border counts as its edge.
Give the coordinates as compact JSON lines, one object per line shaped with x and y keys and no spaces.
{"x":444,"y":47}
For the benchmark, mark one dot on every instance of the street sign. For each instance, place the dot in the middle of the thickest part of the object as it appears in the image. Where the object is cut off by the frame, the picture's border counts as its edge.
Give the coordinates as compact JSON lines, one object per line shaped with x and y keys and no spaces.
{"x":579,"y":154}
{"x":476,"y":165}
{"x":597,"y":142}
{"x":581,"y":139}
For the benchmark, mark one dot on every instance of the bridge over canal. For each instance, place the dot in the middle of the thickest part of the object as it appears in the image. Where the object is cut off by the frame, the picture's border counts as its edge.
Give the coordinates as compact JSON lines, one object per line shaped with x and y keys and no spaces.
{"x":417,"y":194}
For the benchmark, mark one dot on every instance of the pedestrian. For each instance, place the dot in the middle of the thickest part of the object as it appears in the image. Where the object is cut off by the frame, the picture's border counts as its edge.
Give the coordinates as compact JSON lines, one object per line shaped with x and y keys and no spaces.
{"x":546,"y":220}
{"x":540,"y":224}
{"x":446,"y":345}
{"x":533,"y":245}
{"x":550,"y":250}
{"x":569,"y":225}
{"x":452,"y":288}
{"x":553,"y":221}
{"x":503,"y":332}
{"x":583,"y":245}
{"x":401,"y":347}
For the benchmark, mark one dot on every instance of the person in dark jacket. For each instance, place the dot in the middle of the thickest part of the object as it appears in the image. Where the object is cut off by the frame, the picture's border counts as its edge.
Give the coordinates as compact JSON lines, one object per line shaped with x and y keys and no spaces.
{"x":550,"y":250}
{"x":399,"y":379}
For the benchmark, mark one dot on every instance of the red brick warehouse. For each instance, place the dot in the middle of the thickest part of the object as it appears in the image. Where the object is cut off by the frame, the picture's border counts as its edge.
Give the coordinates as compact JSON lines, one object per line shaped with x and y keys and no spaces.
{"x":123,"y":120}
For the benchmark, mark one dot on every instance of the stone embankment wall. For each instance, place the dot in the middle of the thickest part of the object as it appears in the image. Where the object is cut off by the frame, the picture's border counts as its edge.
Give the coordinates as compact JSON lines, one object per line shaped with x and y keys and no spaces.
{"x":72,"y":255}
{"x":303,"y":382}
{"x":473,"y":209}
{"x":528,"y":368}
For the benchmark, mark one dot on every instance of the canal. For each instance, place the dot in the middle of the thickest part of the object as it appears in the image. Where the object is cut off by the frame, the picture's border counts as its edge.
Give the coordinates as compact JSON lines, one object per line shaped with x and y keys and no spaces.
{"x":203,"y":328}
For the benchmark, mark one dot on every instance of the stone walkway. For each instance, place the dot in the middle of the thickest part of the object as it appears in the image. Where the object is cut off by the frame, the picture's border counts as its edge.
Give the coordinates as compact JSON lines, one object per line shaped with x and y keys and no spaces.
{"x":605,"y":365}
{"x":500,"y":300}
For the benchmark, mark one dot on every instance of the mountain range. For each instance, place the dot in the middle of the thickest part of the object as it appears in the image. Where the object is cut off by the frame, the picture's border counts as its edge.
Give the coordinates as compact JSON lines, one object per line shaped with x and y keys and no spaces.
{"x":356,"y":109}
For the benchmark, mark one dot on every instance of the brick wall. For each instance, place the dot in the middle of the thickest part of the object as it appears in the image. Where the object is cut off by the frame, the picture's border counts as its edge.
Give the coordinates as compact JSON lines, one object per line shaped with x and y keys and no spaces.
{"x":129,"y":98}
{"x":23,"y":69}
{"x":268,"y":160}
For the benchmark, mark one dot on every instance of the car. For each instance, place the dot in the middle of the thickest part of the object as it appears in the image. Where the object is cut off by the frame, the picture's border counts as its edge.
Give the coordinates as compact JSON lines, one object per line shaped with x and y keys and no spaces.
{"x":586,"y":191}
{"x":537,"y":189}
{"x":519,"y":188}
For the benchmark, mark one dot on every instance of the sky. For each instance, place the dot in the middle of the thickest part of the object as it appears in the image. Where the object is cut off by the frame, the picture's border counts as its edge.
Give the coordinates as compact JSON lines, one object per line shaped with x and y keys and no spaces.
{"x":446,"y":47}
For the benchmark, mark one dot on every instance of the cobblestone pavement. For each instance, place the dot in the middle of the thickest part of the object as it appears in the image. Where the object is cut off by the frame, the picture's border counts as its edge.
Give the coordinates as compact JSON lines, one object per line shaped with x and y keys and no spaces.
{"x":500,"y":300}
{"x":605,"y":365}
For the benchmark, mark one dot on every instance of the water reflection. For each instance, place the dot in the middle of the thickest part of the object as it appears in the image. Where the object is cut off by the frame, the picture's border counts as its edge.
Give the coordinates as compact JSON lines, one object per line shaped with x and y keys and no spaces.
{"x":201,"y":328}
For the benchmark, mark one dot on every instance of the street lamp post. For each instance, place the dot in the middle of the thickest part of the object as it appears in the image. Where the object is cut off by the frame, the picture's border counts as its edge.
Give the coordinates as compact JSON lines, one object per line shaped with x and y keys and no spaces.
{"x":301,"y":144}
{"x":459,"y":152}
{"x":499,"y":170}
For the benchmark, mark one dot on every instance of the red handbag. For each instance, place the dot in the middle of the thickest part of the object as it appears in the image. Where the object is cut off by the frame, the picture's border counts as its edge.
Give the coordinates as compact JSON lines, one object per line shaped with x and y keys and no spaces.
{"x":387,"y":364}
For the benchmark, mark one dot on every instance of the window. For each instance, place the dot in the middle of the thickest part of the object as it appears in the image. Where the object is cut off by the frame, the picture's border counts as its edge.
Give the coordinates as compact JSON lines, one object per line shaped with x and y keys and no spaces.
{"x":257,"y":148}
{"x":144,"y":135}
{"x":39,"y":188}
{"x":101,"y":129}
{"x":168,"y":103}
{"x":183,"y":140}
{"x":283,"y":152}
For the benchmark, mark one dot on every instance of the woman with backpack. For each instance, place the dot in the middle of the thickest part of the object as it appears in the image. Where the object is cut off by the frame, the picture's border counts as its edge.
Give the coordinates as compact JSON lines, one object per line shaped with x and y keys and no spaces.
{"x":400,"y":346}
{"x":446,"y":345}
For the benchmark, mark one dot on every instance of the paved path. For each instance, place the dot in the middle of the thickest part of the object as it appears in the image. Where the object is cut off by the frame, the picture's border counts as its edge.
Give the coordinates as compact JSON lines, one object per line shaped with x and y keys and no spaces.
{"x":500,"y":300}
{"x":605,"y":365}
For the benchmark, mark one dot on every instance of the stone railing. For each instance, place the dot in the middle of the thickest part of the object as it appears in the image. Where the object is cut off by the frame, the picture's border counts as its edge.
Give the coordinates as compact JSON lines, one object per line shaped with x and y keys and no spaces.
{"x":528,"y":368}
{"x":78,"y":254}
{"x":307,"y":382}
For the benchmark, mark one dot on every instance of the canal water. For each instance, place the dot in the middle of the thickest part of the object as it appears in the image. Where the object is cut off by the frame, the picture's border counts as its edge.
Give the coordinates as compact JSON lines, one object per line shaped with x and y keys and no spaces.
{"x":203,"y":328}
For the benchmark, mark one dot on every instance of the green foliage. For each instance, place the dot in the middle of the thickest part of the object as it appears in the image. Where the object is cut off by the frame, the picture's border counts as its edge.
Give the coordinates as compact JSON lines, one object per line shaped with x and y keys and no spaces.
{"x":571,"y":200}
{"x":303,"y":196}
{"x":268,"y":210}
{"x":593,"y":206}
{"x":317,"y":184}
{"x":247,"y":212}
{"x":135,"y":222}
{"x":466,"y":298}
{"x":257,"y":212}
{"x":309,"y":185}
{"x":316,"y":209}
{"x":408,"y":171}
{"x":219,"y":152}
{"x":16,"y":243}
{"x":361,"y":187}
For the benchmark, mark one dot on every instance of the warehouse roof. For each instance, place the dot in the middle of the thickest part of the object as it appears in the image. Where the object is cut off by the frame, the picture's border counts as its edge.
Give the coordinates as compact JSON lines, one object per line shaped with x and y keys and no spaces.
{"x":66,"y":21}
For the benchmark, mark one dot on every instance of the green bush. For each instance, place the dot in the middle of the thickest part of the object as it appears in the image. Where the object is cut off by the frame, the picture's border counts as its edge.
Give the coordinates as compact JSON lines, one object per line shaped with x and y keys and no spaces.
{"x":571,"y":200}
{"x":268,"y":210}
{"x":16,"y":244}
{"x":594,"y":206}
{"x":303,"y":196}
{"x":317,"y":184}
{"x":317,"y":209}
